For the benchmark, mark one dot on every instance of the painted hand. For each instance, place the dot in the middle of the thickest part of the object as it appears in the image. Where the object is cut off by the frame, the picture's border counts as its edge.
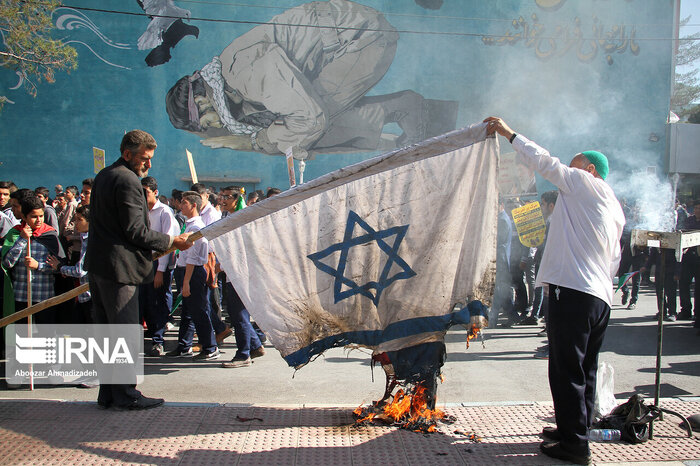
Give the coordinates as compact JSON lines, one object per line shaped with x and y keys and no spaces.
{"x":233,"y":141}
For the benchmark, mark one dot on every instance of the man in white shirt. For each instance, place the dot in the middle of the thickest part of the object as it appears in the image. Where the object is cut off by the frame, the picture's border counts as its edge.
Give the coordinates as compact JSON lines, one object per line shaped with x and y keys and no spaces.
{"x":156,"y":299}
{"x":192,"y":280}
{"x":210,"y":215}
{"x":579,"y":262}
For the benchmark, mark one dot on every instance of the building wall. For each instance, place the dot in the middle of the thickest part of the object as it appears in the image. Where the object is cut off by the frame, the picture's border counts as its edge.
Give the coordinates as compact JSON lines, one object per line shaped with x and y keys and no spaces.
{"x":571,"y":75}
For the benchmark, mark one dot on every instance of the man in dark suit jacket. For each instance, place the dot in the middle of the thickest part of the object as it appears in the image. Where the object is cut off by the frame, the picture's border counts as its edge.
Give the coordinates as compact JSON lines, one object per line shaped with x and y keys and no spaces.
{"x":119,"y":252}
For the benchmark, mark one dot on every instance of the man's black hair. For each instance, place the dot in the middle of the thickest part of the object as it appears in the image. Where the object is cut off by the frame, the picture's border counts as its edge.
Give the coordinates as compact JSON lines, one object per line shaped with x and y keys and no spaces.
{"x":199,"y":188}
{"x":235,"y":192}
{"x":135,"y":139}
{"x":5,"y":185}
{"x":30,"y":202}
{"x":88,"y":182}
{"x":550,"y":197}
{"x":73,"y":189}
{"x":150,"y":183}
{"x":21,"y":194}
{"x":84,"y":210}
{"x":44,"y":191}
{"x":193,"y":197}
{"x":176,"y":194}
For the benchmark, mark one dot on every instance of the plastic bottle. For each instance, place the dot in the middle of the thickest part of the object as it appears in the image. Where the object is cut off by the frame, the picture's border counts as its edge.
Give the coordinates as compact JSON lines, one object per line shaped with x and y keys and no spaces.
{"x":604,"y":435}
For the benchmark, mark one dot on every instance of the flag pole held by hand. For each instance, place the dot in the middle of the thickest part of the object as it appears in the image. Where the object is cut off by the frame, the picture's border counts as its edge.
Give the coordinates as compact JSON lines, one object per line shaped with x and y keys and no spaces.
{"x":190,"y":239}
{"x":29,"y":303}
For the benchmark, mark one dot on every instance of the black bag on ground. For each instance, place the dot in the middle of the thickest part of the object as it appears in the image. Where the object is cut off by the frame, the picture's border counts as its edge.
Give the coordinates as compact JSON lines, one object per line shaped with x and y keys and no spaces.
{"x":632,"y":419}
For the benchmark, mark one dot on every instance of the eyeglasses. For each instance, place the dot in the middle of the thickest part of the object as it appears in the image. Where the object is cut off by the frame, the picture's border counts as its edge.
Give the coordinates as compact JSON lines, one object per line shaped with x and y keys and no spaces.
{"x":227,"y":196}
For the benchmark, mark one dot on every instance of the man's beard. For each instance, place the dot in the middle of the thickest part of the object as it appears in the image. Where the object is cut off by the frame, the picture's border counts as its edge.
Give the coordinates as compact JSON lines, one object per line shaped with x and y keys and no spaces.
{"x":140,"y":172}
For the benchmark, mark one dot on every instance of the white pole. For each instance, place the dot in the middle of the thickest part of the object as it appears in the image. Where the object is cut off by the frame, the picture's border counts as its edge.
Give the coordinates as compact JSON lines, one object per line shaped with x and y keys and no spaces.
{"x":302,"y":166}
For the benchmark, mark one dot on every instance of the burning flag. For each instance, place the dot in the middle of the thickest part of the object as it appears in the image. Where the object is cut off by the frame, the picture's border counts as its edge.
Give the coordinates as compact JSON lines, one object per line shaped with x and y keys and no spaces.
{"x":376,"y":254}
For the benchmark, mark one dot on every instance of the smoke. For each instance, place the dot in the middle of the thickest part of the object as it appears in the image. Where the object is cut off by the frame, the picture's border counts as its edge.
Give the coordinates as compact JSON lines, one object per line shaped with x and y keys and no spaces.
{"x":651,"y":200}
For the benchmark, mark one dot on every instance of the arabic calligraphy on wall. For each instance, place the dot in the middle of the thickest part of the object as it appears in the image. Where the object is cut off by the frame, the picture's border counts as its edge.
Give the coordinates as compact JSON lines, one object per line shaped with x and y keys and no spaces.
{"x":601,"y":40}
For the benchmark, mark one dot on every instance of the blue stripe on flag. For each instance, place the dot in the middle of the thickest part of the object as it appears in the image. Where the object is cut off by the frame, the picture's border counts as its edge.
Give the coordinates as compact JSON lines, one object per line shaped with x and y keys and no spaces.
{"x":393,"y":331}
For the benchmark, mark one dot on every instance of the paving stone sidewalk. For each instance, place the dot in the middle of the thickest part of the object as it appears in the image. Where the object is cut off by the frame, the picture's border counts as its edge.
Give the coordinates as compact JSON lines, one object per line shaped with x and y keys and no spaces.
{"x":55,"y":432}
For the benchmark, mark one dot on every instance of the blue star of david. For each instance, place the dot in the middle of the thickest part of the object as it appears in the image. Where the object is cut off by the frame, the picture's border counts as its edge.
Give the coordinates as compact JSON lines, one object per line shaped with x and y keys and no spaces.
{"x":349,"y":242}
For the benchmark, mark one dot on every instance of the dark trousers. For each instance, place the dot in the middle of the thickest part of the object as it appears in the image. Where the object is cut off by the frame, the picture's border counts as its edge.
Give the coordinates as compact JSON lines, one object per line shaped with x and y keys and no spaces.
{"x":65,"y":312}
{"x":576,"y":327}
{"x":246,"y":337}
{"x":214,"y":309}
{"x":155,"y":304}
{"x":630,"y":263}
{"x":690,"y":269}
{"x":48,"y":316}
{"x":84,"y":311}
{"x":195,"y":311}
{"x":115,"y":303}
{"x":521,"y":291}
{"x":668,"y":283}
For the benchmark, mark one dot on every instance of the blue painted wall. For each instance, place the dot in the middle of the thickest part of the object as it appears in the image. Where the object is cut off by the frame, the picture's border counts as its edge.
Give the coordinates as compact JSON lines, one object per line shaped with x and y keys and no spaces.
{"x":571,"y":75}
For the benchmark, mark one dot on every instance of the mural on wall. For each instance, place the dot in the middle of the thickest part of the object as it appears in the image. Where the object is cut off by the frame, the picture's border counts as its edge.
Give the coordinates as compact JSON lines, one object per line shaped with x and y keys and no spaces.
{"x":548,"y":44}
{"x":69,"y":19}
{"x":339,"y":81}
{"x":300,"y":82}
{"x":164,"y":31}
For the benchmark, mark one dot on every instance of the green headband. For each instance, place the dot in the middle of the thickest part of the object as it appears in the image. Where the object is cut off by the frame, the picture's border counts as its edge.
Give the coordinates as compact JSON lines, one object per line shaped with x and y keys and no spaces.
{"x":599,"y":160}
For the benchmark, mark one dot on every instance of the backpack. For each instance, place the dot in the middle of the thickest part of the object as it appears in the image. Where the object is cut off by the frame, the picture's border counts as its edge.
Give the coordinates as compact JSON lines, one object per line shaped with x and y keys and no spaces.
{"x":633,"y":417}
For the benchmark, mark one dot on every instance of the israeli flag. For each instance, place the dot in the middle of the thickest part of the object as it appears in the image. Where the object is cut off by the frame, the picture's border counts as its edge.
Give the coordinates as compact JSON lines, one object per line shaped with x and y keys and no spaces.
{"x":377,"y":254}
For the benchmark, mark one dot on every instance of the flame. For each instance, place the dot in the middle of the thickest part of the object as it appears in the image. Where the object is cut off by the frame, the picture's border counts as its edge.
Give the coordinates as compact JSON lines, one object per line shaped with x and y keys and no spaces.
{"x":472,"y":333}
{"x":407,"y":409}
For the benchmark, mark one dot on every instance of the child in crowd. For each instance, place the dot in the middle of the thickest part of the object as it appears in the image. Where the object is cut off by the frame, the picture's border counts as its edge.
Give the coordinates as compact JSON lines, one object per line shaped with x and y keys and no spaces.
{"x":83,"y":311}
{"x":43,"y":241}
{"x":191,"y":278}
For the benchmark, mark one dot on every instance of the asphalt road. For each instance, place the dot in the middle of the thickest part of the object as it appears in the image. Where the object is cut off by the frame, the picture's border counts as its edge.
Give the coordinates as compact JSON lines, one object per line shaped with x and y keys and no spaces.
{"x":502,"y":370}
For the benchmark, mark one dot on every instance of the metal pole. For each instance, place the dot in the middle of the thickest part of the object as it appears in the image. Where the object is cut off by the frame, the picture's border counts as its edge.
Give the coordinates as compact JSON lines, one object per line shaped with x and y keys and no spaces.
{"x":659,"y":334}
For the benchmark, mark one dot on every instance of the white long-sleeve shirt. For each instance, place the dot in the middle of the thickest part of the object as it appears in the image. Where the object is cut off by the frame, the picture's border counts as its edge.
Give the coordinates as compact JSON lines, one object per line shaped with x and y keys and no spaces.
{"x":198,"y":253}
{"x":583,"y":244}
{"x":163,"y":220}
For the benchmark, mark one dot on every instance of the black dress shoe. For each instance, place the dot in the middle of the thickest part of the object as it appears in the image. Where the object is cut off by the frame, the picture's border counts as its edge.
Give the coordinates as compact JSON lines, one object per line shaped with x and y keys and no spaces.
{"x":551,"y":433}
{"x":555,"y":450}
{"x":103,"y":404}
{"x":143,"y":402}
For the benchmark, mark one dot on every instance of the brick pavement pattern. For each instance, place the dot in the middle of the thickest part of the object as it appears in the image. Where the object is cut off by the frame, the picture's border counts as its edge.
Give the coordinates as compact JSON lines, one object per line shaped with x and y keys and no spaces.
{"x":54,"y":432}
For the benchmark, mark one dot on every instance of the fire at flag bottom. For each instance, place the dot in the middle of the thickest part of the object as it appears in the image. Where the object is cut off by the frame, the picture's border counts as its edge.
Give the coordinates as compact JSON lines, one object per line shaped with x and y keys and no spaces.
{"x":377,"y":254}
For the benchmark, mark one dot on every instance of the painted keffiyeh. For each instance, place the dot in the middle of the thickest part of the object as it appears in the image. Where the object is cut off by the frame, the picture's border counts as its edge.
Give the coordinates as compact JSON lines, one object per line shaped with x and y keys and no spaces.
{"x":211,"y":73}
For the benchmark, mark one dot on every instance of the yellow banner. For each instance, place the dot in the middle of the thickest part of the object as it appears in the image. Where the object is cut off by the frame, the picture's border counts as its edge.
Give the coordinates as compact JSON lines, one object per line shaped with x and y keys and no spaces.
{"x":530,"y":224}
{"x":98,"y":158}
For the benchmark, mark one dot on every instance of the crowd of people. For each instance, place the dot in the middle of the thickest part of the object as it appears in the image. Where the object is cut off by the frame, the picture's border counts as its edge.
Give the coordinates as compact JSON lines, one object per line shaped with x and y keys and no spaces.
{"x":188,"y":282}
{"x":519,"y":302}
{"x":109,"y":236}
